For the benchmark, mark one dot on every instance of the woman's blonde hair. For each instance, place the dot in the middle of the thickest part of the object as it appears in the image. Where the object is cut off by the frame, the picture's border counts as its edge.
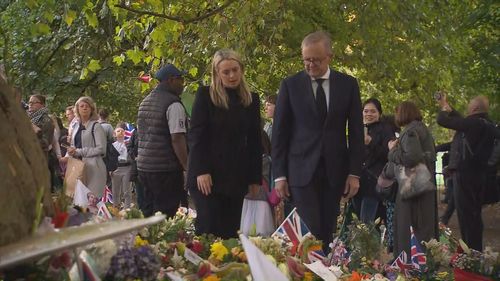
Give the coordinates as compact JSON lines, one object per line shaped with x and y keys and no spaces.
{"x":91,"y":103}
{"x":218,"y":93}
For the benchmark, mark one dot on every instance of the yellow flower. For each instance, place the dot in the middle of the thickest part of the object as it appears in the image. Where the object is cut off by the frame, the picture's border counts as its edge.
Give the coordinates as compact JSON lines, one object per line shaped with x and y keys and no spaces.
{"x":138,"y":242}
{"x":212,"y":277}
{"x":308,"y":276}
{"x":218,"y":250}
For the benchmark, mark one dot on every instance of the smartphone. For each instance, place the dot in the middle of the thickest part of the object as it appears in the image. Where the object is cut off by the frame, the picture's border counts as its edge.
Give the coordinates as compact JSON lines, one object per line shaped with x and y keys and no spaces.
{"x":65,"y":145}
{"x":438,"y":95}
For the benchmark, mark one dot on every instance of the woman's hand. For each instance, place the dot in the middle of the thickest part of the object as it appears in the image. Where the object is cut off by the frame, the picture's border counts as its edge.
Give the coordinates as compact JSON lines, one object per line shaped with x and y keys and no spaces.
{"x":253,"y":190}
{"x":71,"y":151}
{"x":392,"y":143}
{"x":368,"y":139}
{"x":204,"y":183}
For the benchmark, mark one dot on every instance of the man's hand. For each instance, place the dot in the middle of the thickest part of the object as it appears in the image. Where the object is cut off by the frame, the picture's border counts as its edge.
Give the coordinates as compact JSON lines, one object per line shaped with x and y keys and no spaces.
{"x":204,"y":183}
{"x":282,"y":189}
{"x":35,"y":128}
{"x":351,"y":186}
{"x":443,"y":102}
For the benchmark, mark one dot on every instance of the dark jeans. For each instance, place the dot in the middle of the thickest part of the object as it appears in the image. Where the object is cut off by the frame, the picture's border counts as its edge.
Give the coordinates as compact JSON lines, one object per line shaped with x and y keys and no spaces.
{"x":139,"y":192}
{"x":218,"y":214}
{"x":468,"y":187}
{"x":318,"y":205}
{"x":163,"y":192}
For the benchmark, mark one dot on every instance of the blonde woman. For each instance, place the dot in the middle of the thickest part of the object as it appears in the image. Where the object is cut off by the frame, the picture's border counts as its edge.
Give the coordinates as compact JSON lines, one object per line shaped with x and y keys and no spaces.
{"x":88,"y":143}
{"x":225,"y":147}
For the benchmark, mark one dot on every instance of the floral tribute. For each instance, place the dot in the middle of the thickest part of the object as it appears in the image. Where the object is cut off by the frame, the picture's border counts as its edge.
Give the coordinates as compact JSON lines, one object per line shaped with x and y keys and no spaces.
{"x":170,"y":250}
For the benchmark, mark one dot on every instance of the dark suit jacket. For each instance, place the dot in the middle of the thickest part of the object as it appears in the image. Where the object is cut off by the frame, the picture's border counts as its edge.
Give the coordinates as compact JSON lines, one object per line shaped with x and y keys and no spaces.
{"x":225,"y":143}
{"x":299,"y":140}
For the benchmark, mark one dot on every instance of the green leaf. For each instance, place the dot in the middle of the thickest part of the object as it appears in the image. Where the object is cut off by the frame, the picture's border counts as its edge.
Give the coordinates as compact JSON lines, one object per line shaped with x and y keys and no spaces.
{"x":69,"y":17}
{"x":84,"y":74}
{"x":91,"y":18}
{"x":135,"y":55}
{"x":48,"y":16}
{"x":94,"y":65}
{"x":119,"y":59}
{"x":42,"y":28}
{"x":193,"y":71}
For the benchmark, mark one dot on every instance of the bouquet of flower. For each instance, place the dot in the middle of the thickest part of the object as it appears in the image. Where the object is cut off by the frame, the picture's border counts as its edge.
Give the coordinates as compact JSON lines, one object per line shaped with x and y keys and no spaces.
{"x":468,"y":262}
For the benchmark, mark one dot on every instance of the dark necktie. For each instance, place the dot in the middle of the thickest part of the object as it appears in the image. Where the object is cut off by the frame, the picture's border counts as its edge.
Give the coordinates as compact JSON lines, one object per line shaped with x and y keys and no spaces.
{"x":321,"y":101}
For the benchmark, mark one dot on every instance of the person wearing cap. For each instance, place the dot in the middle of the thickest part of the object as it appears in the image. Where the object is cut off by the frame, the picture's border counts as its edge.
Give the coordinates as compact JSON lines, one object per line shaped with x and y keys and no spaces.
{"x":162,"y":148}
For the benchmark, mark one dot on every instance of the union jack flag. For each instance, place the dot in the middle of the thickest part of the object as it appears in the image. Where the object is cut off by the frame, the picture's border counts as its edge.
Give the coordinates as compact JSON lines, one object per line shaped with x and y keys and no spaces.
{"x":418,"y":258}
{"x":401,"y":262}
{"x":102,"y":211}
{"x":293,"y":228}
{"x":129,"y":130}
{"x":318,"y":255}
{"x":107,"y":196}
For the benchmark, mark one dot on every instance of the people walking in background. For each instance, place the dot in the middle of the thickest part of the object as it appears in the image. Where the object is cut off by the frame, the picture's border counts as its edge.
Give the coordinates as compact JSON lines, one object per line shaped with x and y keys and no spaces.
{"x":162,"y":148}
{"x":472,"y":146}
{"x":41,"y":122}
{"x":414,"y":146}
{"x":225,"y":160}
{"x":314,"y":161}
{"x":132,"y":148}
{"x":88,"y":143}
{"x":448,"y":183}
{"x":377,"y":136}
{"x":120,"y":178}
{"x":108,"y":128}
{"x":269,"y":107}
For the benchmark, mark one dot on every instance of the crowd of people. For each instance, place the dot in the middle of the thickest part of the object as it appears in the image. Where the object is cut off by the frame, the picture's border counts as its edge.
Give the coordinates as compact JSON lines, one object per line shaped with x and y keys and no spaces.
{"x":319,"y":146}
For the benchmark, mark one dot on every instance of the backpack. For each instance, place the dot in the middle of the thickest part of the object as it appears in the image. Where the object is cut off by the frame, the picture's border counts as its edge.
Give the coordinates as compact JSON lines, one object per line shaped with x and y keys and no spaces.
{"x":494,"y":159}
{"x":483,"y":152}
{"x":111,"y":157}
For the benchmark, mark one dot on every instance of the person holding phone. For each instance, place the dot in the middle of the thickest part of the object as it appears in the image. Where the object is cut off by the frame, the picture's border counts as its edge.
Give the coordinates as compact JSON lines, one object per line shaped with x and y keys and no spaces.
{"x":469,"y":153}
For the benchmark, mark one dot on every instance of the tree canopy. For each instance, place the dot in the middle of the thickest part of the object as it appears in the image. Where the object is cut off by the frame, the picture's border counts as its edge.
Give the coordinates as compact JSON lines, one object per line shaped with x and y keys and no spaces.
{"x":398,"y":50}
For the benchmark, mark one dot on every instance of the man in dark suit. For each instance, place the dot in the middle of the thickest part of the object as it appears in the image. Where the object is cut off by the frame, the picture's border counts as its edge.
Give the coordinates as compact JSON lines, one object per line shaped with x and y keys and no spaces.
{"x":314,"y":160}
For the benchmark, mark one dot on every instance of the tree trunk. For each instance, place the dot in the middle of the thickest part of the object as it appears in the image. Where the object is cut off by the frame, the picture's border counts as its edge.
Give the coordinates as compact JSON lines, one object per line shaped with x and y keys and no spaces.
{"x":23,"y":169}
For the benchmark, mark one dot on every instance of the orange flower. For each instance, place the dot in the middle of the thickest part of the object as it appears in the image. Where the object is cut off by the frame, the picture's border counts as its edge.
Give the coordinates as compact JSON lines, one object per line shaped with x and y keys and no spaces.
{"x":212,"y":277}
{"x":355,"y":276}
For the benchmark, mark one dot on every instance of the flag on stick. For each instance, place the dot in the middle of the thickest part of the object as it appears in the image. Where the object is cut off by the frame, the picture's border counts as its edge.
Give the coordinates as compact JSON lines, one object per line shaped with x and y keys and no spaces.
{"x":107,"y":196}
{"x":102,"y":211}
{"x":401,"y":263}
{"x":293,"y":228}
{"x":418,"y":258}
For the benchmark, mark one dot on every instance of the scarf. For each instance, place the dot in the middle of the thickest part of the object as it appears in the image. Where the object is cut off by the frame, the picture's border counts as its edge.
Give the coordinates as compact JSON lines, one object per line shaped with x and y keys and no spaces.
{"x":36,"y":116}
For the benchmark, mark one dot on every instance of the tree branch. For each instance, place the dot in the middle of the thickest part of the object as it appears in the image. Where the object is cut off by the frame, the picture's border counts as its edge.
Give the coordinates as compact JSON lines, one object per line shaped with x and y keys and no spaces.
{"x":177,"y":19}
{"x":59,"y":45}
